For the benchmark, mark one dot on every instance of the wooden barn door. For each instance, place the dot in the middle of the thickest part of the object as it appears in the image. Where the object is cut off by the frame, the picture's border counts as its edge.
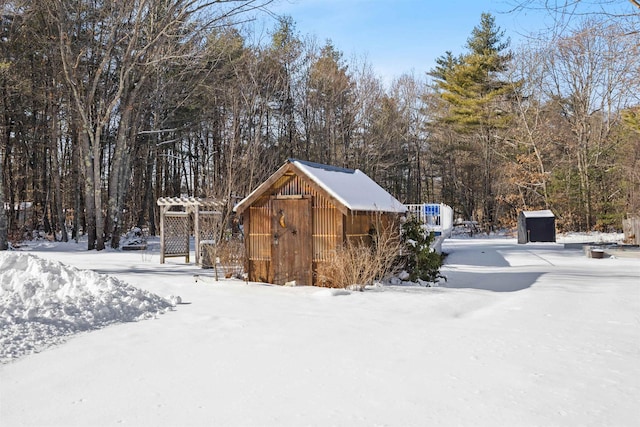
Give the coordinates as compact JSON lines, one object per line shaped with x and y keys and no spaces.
{"x":291,"y":244}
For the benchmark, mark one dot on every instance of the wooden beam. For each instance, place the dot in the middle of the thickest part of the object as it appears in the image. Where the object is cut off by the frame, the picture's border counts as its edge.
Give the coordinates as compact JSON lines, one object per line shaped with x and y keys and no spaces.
{"x":262,"y":188}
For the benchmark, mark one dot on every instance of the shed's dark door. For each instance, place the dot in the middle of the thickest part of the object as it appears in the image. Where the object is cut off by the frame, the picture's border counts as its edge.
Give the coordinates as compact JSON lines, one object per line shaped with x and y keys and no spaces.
{"x":291,"y":244}
{"x":541,"y":229}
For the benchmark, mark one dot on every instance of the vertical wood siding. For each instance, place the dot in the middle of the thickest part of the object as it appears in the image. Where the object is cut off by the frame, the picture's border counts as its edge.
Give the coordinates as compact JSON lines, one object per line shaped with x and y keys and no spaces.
{"x":260,"y":233}
{"x":327,"y":228}
{"x":326,"y":222}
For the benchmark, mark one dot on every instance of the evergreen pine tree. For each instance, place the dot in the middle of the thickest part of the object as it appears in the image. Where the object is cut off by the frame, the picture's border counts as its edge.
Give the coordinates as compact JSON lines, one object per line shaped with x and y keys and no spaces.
{"x":422,"y":262}
{"x":478,"y":101}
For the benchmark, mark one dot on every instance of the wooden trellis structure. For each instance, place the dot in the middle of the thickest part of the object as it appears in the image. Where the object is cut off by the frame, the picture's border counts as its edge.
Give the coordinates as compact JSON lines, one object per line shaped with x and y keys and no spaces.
{"x":179,"y":216}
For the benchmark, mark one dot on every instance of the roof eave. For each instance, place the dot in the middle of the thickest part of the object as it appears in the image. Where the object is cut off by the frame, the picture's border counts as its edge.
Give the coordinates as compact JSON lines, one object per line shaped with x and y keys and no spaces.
{"x":259,"y":190}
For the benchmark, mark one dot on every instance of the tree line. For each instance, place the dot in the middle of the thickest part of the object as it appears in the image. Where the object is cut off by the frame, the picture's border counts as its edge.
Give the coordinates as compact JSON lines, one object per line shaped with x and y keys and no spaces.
{"x":107,"y":106}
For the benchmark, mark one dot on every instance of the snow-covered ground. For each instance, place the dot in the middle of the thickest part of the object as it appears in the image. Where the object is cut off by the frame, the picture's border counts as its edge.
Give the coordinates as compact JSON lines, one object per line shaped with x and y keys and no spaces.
{"x":519,"y":335}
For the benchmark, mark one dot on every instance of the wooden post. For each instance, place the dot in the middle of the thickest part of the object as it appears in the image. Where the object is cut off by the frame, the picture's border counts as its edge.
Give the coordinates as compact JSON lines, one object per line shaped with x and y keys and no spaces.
{"x":163,"y":209}
{"x":196,"y":230}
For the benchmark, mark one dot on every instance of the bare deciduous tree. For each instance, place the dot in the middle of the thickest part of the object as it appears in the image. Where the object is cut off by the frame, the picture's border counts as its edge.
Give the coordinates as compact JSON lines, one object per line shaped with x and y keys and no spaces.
{"x":108,"y":51}
{"x":592,"y":75}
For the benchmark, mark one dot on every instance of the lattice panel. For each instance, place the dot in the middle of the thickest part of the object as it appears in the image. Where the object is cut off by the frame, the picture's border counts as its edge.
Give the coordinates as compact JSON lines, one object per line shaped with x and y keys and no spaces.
{"x":177,"y":229}
{"x":210,"y":223}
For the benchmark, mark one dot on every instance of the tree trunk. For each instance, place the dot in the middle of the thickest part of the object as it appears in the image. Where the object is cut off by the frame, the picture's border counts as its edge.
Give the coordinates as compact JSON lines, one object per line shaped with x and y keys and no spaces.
{"x":3,"y":216}
{"x":97,"y":192}
{"x":119,"y":175}
{"x":58,"y":214}
{"x":88,"y":179}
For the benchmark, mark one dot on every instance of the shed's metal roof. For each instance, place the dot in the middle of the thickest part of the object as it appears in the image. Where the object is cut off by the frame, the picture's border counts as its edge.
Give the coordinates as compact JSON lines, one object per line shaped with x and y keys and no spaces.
{"x":538,"y":214}
{"x":351,"y":187}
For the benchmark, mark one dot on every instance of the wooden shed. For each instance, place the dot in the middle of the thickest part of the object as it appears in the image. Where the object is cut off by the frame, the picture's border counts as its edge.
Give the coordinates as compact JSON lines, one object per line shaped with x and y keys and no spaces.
{"x":300,"y":215}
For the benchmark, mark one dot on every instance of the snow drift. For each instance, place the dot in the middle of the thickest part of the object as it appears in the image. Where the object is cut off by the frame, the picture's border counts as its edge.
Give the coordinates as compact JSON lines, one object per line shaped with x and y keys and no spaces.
{"x":43,"y":301}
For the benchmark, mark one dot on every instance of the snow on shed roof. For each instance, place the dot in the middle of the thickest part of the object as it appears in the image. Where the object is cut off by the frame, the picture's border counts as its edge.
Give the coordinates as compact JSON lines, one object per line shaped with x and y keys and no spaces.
{"x":538,"y":214}
{"x":351,"y":187}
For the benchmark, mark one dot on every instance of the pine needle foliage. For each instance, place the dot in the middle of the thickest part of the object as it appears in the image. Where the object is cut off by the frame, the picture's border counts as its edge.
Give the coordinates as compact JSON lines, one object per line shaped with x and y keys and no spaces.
{"x":422,"y":262}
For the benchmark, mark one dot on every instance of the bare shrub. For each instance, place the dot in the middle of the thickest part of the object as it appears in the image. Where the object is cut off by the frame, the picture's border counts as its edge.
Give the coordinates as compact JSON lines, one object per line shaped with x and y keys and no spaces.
{"x":226,"y":258}
{"x":360,"y":263}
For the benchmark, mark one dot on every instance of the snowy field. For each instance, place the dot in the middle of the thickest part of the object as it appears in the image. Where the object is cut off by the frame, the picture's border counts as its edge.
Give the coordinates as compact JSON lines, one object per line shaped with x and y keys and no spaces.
{"x":519,"y":335}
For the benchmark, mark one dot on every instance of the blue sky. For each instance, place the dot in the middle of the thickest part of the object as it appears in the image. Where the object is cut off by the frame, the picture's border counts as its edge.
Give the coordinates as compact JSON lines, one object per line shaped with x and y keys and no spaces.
{"x":398,"y":36}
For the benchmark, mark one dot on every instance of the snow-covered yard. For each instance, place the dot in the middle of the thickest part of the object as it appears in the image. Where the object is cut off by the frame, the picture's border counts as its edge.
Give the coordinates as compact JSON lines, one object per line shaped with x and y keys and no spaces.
{"x":519,"y":335}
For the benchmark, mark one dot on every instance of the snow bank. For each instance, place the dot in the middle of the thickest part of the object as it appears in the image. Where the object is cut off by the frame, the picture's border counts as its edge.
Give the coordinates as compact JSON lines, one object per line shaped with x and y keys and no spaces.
{"x":590,"y":237}
{"x":42,"y":302}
